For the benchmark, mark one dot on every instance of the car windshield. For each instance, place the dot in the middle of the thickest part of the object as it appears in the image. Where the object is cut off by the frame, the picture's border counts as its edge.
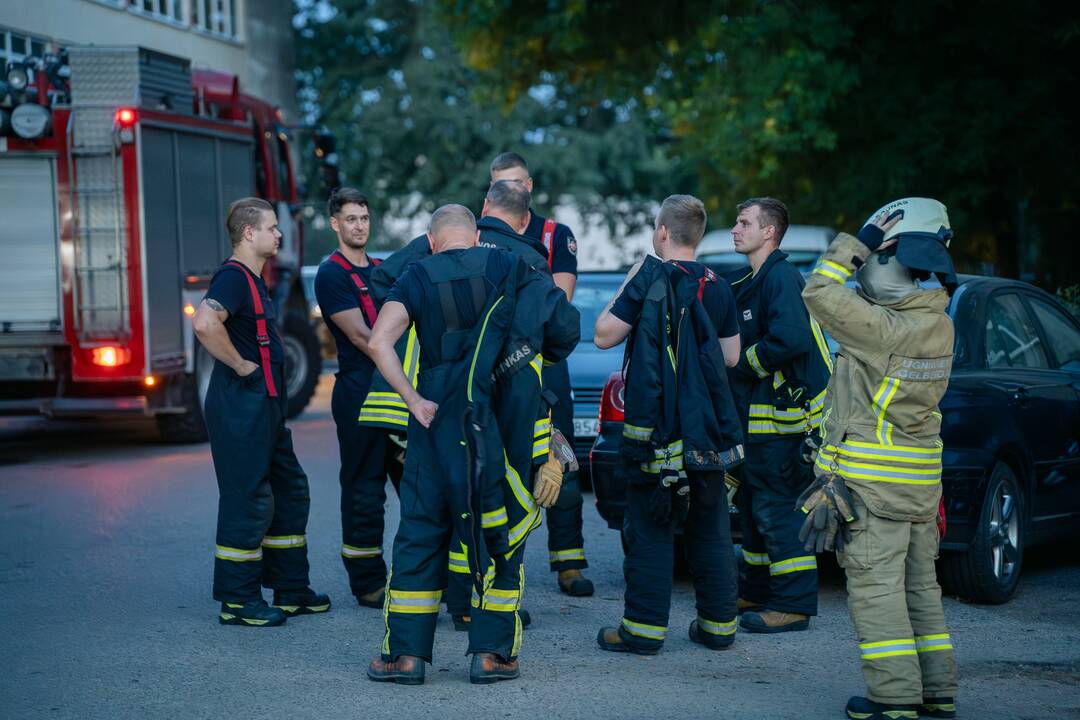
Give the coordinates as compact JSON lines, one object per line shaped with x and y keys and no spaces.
{"x":592,"y":293}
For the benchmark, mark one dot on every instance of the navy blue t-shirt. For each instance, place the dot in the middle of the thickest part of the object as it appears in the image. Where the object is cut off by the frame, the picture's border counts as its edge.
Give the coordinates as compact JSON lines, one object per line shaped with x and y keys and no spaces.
{"x":230,"y":288}
{"x":336,"y":292}
{"x":564,"y":257}
{"x":415,"y":290}
{"x":718,"y":301}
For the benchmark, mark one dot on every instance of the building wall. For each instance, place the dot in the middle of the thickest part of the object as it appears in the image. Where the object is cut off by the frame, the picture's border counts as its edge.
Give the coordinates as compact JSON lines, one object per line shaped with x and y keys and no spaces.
{"x":258,"y":48}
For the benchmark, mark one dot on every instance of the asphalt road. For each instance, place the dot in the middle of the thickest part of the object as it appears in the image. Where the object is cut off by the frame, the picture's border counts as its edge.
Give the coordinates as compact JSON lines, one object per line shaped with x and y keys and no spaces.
{"x":106,"y":542}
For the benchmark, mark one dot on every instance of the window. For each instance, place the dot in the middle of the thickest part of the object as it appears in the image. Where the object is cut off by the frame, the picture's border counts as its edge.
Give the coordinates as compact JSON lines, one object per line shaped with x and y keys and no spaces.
{"x":170,"y":10}
{"x":1011,"y":339}
{"x":16,"y":46}
{"x":217,"y":17}
{"x":1061,"y":334}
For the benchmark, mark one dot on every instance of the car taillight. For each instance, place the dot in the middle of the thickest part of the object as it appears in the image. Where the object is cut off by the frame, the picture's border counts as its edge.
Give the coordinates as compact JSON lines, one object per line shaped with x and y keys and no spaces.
{"x":612,"y":400}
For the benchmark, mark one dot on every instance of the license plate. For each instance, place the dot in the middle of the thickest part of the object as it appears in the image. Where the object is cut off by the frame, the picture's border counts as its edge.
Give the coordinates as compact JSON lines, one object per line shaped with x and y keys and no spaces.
{"x":586,"y":427}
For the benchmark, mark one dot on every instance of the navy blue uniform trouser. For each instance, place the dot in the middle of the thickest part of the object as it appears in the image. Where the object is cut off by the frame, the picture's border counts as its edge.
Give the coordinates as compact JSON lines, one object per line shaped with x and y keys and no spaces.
{"x":365,"y":457}
{"x":433,"y":510}
{"x":649,"y":564}
{"x":263,"y":502}
{"x":774,"y":568}
{"x":566,"y":544}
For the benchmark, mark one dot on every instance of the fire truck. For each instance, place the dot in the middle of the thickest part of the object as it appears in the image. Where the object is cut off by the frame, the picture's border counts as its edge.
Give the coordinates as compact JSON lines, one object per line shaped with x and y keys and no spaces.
{"x":117,"y":165}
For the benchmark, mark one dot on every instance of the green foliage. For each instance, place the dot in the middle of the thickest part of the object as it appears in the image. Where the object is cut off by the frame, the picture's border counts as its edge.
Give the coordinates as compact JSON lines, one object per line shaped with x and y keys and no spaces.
{"x":1070,"y":298}
{"x":835,"y":107}
{"x":417,"y":127}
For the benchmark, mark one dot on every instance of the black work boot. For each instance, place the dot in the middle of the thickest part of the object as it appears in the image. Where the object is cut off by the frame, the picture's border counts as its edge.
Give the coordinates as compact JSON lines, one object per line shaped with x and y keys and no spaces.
{"x":860,"y":708}
{"x":404,"y":670}
{"x":609,"y":639}
{"x":943,"y":707}
{"x":773,"y":621}
{"x":301,"y":602}
{"x":255,"y":613}
{"x":373,"y":599}
{"x":573,"y":583}
{"x":713,"y":642}
{"x":487,"y":668}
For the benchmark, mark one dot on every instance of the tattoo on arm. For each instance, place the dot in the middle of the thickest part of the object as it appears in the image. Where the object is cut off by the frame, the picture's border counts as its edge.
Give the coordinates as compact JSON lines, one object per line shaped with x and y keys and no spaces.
{"x":214,"y":305}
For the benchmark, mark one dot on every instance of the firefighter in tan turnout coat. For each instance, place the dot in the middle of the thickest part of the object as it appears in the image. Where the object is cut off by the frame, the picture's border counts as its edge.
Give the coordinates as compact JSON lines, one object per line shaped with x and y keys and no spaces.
{"x":879,"y":466}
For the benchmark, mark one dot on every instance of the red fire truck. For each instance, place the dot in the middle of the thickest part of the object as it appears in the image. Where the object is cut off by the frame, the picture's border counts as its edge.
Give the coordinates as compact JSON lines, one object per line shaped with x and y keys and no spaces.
{"x":116,"y":168}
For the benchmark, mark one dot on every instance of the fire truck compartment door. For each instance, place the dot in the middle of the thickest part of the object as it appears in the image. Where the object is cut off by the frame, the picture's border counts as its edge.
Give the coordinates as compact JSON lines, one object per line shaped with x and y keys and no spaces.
{"x":29,"y":245}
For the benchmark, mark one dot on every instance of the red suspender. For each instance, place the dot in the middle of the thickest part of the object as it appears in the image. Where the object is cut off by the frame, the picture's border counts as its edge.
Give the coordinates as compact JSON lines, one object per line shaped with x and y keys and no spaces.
{"x":548,"y":236}
{"x":367,"y":305}
{"x":262,"y":336}
{"x":708,"y":276}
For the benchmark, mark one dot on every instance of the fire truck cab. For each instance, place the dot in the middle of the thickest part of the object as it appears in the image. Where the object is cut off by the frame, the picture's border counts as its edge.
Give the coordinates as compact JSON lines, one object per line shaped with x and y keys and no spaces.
{"x":117,"y":166}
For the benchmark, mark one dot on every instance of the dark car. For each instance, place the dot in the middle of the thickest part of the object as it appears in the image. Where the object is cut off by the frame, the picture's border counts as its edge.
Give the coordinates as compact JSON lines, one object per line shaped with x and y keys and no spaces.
{"x":1011,"y":430}
{"x":590,"y":366}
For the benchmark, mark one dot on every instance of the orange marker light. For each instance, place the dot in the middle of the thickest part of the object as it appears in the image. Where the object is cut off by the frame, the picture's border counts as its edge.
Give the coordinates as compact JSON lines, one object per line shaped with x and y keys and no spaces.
{"x":125,"y":117}
{"x":189,"y":309}
{"x":149,"y":381}
{"x":110,"y":356}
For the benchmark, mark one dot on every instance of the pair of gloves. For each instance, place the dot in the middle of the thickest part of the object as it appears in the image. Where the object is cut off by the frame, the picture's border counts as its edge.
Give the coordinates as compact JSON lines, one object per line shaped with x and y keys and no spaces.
{"x":829,"y":510}
{"x":670,"y":499}
{"x":561,"y":459}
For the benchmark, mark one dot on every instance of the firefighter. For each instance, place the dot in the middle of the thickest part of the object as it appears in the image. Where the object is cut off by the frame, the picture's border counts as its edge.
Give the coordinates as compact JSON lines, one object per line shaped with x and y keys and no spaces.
{"x":457,"y":478}
{"x":879,"y":467}
{"x":263,"y":505}
{"x":779,"y":386}
{"x":349,"y":311}
{"x":681,"y":433}
{"x":555,"y":242}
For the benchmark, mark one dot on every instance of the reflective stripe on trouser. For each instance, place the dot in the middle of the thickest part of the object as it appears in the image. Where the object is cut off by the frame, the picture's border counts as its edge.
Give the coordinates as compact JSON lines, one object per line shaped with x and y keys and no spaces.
{"x":774,"y":568}
{"x":263,"y":493}
{"x":895,"y":602}
{"x":648,"y":566}
{"x":564,"y":517}
{"x":364,"y":459}
{"x":431,"y":513}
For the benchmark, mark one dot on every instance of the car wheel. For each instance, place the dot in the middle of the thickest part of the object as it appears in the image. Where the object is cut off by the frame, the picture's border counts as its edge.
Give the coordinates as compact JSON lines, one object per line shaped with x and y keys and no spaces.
{"x":989,"y":571}
{"x":303,"y":361}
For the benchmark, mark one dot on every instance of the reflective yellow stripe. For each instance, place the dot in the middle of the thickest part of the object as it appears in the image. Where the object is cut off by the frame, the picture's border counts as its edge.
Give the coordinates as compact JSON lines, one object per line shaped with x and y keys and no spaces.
{"x":394,"y":417}
{"x":669,"y":457}
{"x":360,"y":552}
{"x":671,"y":356}
{"x":752,"y":358}
{"x":515,"y":649}
{"x":413,"y":602}
{"x":755,"y":558}
{"x":650,"y":632}
{"x":493,"y":518}
{"x":384,"y":398}
{"x":783,"y":567}
{"x":770,"y":427}
{"x":565,"y":555}
{"x":501,"y":600}
{"x":882,"y":399}
{"x":823,"y":347}
{"x":222,"y":552}
{"x":833,"y":271}
{"x":923,"y":475}
{"x":636,"y":433}
{"x":523,"y":527}
{"x":716,"y":628}
{"x":933,"y":643}
{"x":480,"y":344}
{"x":542,"y":426}
{"x":541,"y":447}
{"x":279,"y":542}
{"x":411,"y":365}
{"x":887,"y":648}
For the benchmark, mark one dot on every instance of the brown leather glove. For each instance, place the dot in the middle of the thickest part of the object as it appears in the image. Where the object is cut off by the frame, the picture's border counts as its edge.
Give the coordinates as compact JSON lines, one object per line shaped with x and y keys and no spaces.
{"x":548,"y":482}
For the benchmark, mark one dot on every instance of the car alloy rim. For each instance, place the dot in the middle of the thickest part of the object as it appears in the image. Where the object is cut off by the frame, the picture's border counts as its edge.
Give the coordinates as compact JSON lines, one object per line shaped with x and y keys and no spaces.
{"x":295,"y":365}
{"x":1004,"y":532}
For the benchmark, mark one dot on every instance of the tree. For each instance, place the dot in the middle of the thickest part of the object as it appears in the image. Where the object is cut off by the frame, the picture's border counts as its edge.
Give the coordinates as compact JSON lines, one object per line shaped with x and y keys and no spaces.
{"x":417,"y":127}
{"x":834,"y":107}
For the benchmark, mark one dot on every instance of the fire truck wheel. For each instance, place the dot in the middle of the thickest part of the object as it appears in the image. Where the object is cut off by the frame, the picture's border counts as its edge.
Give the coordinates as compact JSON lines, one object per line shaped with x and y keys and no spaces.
{"x":303,"y":361}
{"x":188,"y":427}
